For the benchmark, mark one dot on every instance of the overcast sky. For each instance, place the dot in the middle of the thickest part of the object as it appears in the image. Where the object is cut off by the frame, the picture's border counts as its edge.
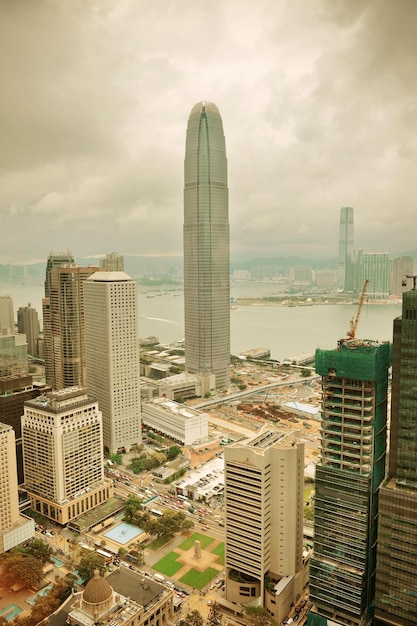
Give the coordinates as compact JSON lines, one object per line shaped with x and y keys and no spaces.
{"x":319,"y":106}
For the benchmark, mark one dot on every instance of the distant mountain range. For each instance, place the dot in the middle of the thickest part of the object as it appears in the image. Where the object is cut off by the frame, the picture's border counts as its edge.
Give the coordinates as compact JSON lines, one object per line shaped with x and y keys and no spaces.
{"x":171,"y":267}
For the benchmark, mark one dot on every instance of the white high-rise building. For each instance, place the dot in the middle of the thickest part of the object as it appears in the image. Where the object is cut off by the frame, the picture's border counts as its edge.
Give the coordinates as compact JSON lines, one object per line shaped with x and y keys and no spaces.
{"x":206,"y":246}
{"x":264,"y":483}
{"x":63,"y":454}
{"x":14,"y":528}
{"x":112,"y":354}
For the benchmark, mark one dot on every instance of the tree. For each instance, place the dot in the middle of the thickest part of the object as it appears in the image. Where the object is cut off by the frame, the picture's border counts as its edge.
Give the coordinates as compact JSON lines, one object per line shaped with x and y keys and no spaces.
{"x":38,"y":549}
{"x":172,"y":452}
{"x":306,"y":372}
{"x":215,"y":617}
{"x":21,"y":569}
{"x":88,"y":563}
{"x":192,"y":619}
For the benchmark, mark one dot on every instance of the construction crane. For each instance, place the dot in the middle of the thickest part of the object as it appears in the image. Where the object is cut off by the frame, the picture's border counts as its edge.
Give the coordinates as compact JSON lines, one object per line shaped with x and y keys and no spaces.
{"x":355,"y":320}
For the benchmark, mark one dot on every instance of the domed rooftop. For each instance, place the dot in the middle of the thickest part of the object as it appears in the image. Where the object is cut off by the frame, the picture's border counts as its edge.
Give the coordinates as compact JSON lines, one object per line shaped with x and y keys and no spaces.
{"x":97,"y":590}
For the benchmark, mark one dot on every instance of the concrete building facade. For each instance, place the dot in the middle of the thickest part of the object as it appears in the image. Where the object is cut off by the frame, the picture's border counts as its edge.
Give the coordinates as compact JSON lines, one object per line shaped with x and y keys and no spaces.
{"x":63,"y":317}
{"x":63,"y":454}
{"x":264,"y":483}
{"x":28,"y":324}
{"x":14,"y":392}
{"x":176,"y":421}
{"x":350,"y":470}
{"x":6,"y":315}
{"x":14,"y":527}
{"x":206,"y":246}
{"x":112,"y":349}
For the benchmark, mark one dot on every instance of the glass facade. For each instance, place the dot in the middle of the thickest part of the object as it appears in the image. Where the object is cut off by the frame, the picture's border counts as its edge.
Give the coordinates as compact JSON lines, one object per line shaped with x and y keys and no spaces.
{"x":396,"y":577}
{"x":350,"y":470}
{"x":206,"y":246}
{"x":345,"y":278}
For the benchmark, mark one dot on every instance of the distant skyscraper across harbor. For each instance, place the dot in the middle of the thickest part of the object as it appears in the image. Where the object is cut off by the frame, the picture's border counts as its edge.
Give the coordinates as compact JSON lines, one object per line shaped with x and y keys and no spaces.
{"x":206,"y":246}
{"x":345,"y":278}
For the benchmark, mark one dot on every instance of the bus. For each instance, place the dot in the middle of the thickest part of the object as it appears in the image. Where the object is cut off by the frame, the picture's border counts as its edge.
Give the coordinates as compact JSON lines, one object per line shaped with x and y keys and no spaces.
{"x":156,"y":512}
{"x":106,"y":556}
{"x":181,"y":497}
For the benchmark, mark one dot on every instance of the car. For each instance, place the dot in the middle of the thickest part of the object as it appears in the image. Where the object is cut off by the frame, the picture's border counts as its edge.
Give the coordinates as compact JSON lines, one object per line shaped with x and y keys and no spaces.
{"x":209,"y":602}
{"x":132,"y":568}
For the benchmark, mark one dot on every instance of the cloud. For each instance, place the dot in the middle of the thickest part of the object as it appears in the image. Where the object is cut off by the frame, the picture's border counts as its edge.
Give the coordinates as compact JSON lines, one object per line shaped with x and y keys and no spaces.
{"x":317,"y":100}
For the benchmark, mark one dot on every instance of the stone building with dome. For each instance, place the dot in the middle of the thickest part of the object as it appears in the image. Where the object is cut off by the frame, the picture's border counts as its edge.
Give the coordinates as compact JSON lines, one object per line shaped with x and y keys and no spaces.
{"x":123,"y":598}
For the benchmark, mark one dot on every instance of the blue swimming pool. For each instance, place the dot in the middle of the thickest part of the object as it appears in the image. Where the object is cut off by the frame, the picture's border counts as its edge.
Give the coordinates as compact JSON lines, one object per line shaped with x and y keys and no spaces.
{"x":123,"y":533}
{"x":10,"y":611}
{"x":57,"y":562}
{"x":43,"y":592}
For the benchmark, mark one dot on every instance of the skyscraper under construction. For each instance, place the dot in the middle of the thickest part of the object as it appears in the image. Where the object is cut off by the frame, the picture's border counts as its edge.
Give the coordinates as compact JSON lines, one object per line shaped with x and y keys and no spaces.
{"x":206,"y":246}
{"x":350,"y":469}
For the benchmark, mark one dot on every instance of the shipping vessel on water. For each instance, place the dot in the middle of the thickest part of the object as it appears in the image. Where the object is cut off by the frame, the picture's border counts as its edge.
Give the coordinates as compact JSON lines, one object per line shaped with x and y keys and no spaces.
{"x":256,"y":353}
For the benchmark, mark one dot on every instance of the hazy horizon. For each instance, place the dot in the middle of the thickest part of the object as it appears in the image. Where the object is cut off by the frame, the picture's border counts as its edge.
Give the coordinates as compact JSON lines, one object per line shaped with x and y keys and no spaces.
{"x":317,"y":100}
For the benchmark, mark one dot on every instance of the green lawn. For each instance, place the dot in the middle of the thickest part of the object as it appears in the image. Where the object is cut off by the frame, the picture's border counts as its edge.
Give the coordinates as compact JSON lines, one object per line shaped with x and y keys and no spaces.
{"x":220,"y":551}
{"x":203,"y":539}
{"x":168,"y":565}
{"x":197,"y":579}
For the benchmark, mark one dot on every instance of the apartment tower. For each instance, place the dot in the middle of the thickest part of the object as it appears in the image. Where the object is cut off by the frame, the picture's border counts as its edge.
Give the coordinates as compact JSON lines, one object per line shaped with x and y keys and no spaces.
{"x":63,"y":315}
{"x":264,"y":483}
{"x":14,"y":528}
{"x":112,"y":350}
{"x":345,"y":277}
{"x":6,"y":315}
{"x":396,"y":573}
{"x":113,"y":262}
{"x":206,"y":246}
{"x":63,"y":454}
{"x":349,"y":472}
{"x":376,"y":268}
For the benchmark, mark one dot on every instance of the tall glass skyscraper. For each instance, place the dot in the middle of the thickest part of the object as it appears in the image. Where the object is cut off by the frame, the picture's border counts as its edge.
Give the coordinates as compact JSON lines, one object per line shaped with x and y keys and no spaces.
{"x":206,"y":246}
{"x":345,"y":278}
{"x":396,"y":574}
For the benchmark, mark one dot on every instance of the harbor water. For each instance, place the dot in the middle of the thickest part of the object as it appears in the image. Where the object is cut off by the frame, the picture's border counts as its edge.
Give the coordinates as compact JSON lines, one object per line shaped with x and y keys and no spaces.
{"x":286,"y":330}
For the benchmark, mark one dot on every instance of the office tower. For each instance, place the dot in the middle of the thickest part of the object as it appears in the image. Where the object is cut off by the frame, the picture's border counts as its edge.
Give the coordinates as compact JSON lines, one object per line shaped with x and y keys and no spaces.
{"x":6,"y":315}
{"x":345,"y":278}
{"x":13,"y":354}
{"x":14,"y":391}
{"x":28,"y":324}
{"x":399,"y":268}
{"x":14,"y":528}
{"x":113,"y":262}
{"x":375,"y":268}
{"x":264,"y":483}
{"x":63,"y":314}
{"x":63,"y":454}
{"x":396,"y":573}
{"x":350,"y":469}
{"x":112,"y":350}
{"x":206,"y":246}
